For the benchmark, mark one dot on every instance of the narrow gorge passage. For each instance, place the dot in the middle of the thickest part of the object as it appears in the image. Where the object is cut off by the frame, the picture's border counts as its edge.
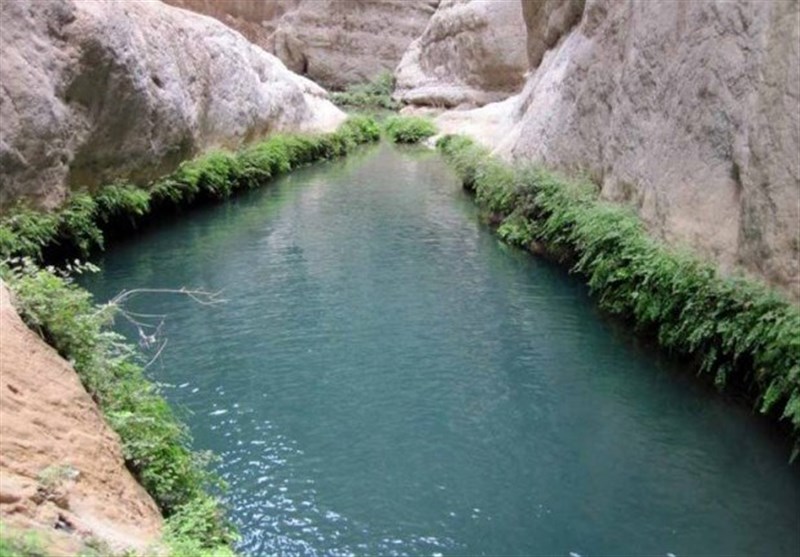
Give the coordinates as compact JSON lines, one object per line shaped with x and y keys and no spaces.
{"x":387,"y":378}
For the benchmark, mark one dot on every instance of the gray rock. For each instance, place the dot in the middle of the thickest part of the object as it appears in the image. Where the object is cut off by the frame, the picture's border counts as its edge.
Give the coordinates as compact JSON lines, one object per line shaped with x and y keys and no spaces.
{"x":471,"y":53}
{"x":95,"y":91}
{"x":688,"y":111}
{"x":334,"y":42}
{"x":547,"y":21}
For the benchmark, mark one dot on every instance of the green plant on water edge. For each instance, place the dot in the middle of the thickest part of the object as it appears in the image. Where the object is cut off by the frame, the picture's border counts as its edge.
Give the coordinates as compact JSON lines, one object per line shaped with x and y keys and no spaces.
{"x":408,"y":129}
{"x":374,"y":94}
{"x":79,"y":224}
{"x":51,"y":477}
{"x":737,"y":331}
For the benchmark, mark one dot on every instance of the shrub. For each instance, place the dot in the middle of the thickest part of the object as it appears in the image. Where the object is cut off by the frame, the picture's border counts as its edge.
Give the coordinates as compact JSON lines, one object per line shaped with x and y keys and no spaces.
{"x":199,"y":528}
{"x":77,"y":222}
{"x":16,"y":543}
{"x":217,"y":173}
{"x":375,"y":94}
{"x":25,"y":232}
{"x":121,"y":200}
{"x":408,"y":129}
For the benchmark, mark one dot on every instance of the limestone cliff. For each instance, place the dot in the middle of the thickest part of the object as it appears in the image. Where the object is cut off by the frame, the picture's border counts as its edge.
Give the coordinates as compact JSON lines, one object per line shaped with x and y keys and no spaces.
{"x":336,"y":43}
{"x":472,"y":52}
{"x":687,"y":111}
{"x":255,"y":19}
{"x":93,"y":91}
{"x":61,"y":468}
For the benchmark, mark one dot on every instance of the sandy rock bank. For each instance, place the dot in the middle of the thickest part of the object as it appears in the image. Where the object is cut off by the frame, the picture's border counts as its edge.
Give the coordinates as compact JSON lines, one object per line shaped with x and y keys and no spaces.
{"x":61,"y":467}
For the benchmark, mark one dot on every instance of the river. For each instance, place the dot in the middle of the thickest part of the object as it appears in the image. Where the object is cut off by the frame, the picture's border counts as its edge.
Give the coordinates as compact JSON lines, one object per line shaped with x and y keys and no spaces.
{"x":387,"y":378}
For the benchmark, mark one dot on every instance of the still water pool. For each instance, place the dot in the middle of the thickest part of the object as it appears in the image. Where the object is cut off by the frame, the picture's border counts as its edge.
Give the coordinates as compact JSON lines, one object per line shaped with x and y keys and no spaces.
{"x":386,"y":378}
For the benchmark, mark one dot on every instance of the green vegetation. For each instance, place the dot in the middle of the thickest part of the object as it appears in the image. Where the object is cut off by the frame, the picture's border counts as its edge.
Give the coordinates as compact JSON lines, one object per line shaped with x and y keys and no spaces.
{"x":375,"y":94}
{"x":156,"y":444}
{"x":408,"y":129}
{"x":78,"y":227}
{"x":36,"y":543}
{"x":20,"y":544}
{"x":734,"y":330}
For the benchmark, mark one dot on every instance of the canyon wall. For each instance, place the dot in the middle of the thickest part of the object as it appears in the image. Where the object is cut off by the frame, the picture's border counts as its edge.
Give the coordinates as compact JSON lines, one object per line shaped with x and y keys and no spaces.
{"x":687,"y":111}
{"x":472,"y":52}
{"x":255,"y":19}
{"x":334,"y":42}
{"x":95,"y":91}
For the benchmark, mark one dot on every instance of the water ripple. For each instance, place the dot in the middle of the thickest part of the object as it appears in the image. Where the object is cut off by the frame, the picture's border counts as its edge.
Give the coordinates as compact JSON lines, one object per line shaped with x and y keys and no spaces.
{"x":388,"y":379}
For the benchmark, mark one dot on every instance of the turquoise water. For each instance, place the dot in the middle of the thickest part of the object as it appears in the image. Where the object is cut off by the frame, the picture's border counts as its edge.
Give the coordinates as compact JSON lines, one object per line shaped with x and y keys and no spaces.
{"x":387,"y":379}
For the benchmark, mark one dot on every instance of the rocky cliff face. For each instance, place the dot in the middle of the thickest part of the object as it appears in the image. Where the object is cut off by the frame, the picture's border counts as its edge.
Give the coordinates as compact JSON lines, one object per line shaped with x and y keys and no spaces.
{"x":94,"y":91}
{"x":686,"y":111}
{"x":61,"y":472}
{"x":472,"y":52}
{"x":336,"y":43}
{"x":255,"y":19}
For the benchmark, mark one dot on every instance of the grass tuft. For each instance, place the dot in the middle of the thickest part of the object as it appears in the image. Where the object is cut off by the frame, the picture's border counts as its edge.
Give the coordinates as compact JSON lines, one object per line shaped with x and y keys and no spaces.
{"x":408,"y":129}
{"x":375,"y":94}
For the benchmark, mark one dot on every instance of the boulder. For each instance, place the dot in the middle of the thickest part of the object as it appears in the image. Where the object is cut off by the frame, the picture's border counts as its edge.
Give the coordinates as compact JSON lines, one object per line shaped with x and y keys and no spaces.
{"x":472,"y":52}
{"x":98,"y":91}
{"x":688,"y":112}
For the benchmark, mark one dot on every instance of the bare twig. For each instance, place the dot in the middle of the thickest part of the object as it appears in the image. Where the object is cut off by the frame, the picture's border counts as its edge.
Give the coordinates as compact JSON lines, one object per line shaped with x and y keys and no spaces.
{"x":150,"y":335}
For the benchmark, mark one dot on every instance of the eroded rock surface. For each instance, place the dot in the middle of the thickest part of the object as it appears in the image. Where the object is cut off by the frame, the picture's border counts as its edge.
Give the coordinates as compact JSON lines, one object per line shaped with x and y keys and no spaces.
{"x":689,"y":112}
{"x":472,"y":52}
{"x":61,"y":467}
{"x":255,"y":19}
{"x":334,"y":42}
{"x":94,"y":91}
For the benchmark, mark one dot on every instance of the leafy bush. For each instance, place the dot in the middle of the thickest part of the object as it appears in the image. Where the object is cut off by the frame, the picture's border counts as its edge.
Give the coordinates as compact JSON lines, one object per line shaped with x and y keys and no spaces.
{"x":373,"y":94}
{"x":121,"y":200}
{"x":199,"y":528}
{"x":26,"y":232}
{"x":78,"y":223}
{"x":737,"y":331}
{"x":408,"y":129}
